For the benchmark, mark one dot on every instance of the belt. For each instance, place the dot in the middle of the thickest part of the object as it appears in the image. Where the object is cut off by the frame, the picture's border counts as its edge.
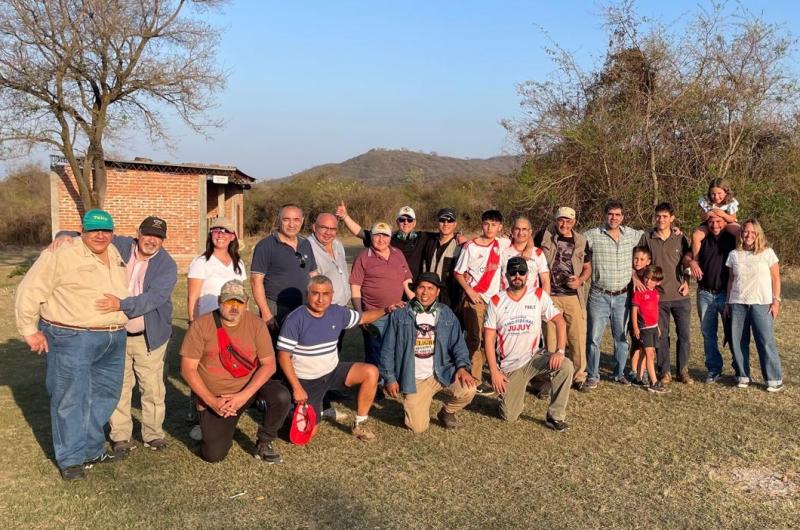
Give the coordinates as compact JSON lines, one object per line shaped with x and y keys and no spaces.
{"x":110,"y":327}
{"x":712,"y":291}
{"x":611,"y":293}
{"x":138,"y":334}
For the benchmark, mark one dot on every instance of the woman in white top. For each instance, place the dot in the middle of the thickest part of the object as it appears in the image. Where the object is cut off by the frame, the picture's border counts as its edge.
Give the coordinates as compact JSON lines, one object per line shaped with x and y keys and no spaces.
{"x":210,"y":270}
{"x":753,"y":302}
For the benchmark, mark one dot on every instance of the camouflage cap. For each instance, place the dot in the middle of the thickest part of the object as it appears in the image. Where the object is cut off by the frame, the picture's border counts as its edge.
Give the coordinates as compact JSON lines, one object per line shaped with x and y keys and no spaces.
{"x":233,"y":290}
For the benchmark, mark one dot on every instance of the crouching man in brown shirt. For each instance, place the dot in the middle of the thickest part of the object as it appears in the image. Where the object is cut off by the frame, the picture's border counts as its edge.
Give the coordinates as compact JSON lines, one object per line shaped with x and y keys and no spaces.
{"x":227,"y":359}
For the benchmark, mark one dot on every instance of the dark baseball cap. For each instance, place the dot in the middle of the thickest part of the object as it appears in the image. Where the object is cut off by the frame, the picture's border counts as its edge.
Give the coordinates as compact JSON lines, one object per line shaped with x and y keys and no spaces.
{"x":517,"y":264}
{"x":448,"y":213}
{"x":430,"y":277}
{"x":154,"y":226}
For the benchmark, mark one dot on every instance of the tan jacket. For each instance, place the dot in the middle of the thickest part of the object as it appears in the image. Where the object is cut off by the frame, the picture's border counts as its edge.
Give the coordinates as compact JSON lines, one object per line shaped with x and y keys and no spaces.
{"x":62,"y":286}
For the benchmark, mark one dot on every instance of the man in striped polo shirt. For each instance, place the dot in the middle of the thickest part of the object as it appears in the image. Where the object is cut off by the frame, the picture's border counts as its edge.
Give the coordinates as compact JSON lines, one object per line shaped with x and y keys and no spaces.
{"x":309,"y":356}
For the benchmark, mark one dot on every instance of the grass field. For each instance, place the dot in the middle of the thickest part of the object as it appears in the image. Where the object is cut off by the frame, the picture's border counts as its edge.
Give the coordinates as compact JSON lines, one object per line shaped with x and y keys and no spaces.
{"x":702,"y":456}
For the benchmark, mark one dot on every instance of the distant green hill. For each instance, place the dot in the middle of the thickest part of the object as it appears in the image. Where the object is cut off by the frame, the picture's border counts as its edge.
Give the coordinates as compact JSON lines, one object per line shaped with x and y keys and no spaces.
{"x":388,"y":167}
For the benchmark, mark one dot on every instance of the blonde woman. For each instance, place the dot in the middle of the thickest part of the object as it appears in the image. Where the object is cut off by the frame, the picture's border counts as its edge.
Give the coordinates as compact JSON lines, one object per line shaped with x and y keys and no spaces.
{"x":753,"y":303}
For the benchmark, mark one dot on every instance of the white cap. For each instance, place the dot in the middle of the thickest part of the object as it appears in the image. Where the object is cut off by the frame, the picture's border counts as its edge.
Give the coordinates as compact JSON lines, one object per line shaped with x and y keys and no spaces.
{"x":407,"y":210}
{"x":565,"y":211}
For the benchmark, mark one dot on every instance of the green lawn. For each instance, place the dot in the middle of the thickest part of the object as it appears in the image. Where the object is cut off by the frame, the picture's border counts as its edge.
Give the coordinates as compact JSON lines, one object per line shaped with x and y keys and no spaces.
{"x":702,"y":456}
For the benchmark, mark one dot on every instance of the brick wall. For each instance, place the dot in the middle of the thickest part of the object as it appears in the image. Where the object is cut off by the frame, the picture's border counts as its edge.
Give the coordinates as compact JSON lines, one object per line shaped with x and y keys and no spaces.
{"x":131,"y":196}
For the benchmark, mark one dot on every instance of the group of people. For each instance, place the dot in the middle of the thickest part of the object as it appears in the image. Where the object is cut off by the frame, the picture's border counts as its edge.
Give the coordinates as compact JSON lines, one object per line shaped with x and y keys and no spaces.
{"x":439,"y":313}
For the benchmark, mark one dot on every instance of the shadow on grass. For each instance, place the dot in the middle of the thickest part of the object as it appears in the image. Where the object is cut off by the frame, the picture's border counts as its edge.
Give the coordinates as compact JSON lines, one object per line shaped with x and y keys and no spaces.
{"x":24,"y":374}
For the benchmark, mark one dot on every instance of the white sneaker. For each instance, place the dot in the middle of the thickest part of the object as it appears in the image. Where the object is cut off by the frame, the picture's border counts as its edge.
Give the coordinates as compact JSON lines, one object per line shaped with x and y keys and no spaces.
{"x":196,"y":433}
{"x":334,"y":415}
{"x":776,"y":388}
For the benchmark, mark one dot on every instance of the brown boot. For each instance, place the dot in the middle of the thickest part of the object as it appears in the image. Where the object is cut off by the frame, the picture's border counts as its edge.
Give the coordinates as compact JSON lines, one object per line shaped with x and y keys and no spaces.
{"x":685,"y":378}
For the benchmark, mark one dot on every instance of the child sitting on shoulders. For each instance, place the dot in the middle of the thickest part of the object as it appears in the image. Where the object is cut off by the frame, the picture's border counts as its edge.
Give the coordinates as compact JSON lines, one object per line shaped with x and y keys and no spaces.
{"x":718,"y":201}
{"x":644,"y":318}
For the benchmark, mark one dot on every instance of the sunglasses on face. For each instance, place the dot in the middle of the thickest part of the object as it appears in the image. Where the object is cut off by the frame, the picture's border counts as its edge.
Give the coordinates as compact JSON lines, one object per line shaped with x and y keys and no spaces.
{"x":218,"y":231}
{"x":446,"y":220}
{"x":511,"y":274}
{"x":233,"y":303}
{"x":405,"y":220}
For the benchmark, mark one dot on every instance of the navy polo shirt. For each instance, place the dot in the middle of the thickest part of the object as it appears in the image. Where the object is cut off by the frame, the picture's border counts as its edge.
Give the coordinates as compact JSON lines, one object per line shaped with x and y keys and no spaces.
{"x":286,"y":271}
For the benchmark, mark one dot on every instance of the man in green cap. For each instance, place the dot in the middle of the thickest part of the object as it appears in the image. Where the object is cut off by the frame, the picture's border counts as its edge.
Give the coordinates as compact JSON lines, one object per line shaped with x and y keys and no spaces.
{"x":85,"y":347}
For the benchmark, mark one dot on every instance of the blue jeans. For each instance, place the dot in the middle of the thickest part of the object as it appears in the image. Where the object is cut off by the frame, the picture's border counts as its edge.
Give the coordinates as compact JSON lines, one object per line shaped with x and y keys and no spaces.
{"x":373,"y":339}
{"x":601,"y":308}
{"x":84,"y":381}
{"x":709,"y":308}
{"x":755,"y":316}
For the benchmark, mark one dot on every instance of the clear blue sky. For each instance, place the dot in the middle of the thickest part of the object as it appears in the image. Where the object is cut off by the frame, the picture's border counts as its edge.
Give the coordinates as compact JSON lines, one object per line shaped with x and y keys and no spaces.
{"x":319,"y":81}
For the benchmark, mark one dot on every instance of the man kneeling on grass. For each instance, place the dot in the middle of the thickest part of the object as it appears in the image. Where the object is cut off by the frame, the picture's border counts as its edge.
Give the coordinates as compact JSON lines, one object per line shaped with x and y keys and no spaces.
{"x":309,"y":357}
{"x":424,"y":352}
{"x":227,"y":360}
{"x":515,"y":318}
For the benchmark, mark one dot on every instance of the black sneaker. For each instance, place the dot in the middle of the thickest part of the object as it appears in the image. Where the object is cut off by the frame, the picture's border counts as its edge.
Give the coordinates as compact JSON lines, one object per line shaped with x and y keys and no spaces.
{"x":265,"y":451}
{"x":73,"y":473}
{"x":485,"y":390}
{"x":589,"y":385}
{"x":658,"y":388}
{"x":105,"y":458}
{"x":558,"y":426}
{"x":122,"y":449}
{"x":448,"y":420}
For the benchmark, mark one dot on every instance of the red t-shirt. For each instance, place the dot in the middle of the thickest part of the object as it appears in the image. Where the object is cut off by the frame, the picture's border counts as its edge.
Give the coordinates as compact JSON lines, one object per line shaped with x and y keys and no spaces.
{"x":647,"y":302}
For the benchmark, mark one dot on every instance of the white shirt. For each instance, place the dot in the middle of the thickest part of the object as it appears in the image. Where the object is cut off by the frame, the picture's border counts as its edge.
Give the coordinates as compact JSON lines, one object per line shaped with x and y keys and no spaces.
{"x":752,"y":281}
{"x":519,"y":325}
{"x":729,"y":208}
{"x":474,"y":259}
{"x":334,"y":267}
{"x":424,"y":345}
{"x":214,"y":275}
{"x":537,"y":264}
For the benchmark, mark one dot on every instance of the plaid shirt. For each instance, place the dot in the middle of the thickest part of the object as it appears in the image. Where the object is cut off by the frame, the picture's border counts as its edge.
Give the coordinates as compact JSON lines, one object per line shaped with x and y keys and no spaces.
{"x":612,"y":260}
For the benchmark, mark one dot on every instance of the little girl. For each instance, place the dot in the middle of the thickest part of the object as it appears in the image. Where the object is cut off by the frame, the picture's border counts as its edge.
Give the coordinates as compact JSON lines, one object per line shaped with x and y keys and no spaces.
{"x":720,"y":201}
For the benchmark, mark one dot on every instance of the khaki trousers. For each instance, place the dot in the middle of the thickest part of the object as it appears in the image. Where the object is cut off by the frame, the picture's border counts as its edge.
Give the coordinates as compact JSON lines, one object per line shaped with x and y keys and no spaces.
{"x":417,"y":406}
{"x":148,"y":369}
{"x":513,"y":401}
{"x":473,"y":316}
{"x":575,"y":316}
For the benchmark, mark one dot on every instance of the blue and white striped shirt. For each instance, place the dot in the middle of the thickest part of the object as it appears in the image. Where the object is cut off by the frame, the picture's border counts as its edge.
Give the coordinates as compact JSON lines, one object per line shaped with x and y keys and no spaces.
{"x":312,"y":340}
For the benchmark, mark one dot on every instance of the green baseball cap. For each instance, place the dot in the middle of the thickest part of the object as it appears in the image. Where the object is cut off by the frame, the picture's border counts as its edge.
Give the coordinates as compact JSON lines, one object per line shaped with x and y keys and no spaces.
{"x":97,"y":220}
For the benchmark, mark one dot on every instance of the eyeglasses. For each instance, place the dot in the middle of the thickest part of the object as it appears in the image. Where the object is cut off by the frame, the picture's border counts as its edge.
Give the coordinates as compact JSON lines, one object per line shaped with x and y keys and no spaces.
{"x":405,"y":219}
{"x":327,"y":228}
{"x":301,"y":259}
{"x":233,"y":303}
{"x":217,"y":231}
{"x":511,"y":274}
{"x":446,"y":220}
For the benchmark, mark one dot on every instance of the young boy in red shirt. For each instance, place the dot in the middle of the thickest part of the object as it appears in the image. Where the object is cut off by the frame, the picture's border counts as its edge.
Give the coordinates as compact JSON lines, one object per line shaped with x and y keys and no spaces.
{"x":644,"y":318}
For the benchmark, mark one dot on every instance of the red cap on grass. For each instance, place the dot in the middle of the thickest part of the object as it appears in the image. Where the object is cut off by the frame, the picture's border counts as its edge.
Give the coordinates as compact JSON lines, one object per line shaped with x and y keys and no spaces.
{"x":303,"y":421}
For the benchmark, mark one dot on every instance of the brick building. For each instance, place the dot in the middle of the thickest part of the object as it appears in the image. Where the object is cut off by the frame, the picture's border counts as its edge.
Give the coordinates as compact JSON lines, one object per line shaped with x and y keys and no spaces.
{"x":184,"y":195}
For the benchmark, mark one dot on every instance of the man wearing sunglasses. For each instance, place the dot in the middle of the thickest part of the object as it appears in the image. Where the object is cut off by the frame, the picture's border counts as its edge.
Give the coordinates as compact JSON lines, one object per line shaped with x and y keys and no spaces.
{"x":511,"y":336}
{"x":282,"y":264}
{"x":440,"y":256}
{"x":214,"y":352}
{"x":409,"y":241}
